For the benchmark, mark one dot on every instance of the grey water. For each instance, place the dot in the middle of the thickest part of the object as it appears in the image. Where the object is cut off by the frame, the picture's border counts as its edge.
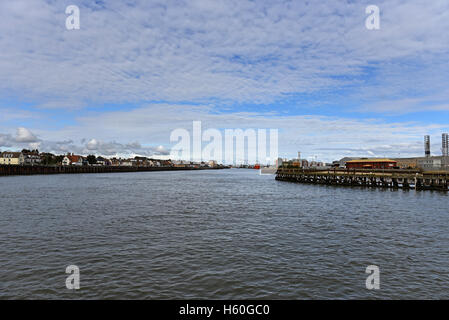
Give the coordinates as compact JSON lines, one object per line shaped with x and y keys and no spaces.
{"x":217,"y":234}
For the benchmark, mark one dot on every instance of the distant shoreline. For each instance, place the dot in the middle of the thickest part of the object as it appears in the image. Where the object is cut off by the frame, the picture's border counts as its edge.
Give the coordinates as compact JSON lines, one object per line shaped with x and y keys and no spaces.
{"x":16,"y":170}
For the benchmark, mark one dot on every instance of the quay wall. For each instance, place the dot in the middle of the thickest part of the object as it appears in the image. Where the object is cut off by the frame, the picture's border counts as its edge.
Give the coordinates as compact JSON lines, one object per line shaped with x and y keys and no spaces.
{"x":388,"y":178}
{"x":10,"y":170}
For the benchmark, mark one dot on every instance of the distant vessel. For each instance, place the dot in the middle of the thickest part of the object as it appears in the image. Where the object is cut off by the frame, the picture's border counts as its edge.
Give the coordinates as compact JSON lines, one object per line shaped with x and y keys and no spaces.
{"x":257,"y":166}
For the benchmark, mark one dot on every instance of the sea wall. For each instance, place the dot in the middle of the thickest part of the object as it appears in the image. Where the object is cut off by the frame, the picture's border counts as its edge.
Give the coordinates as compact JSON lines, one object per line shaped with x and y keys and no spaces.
{"x":10,"y":170}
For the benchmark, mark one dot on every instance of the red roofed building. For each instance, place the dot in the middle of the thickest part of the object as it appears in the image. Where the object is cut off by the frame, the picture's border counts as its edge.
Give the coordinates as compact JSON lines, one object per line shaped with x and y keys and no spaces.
{"x":371,"y":164}
{"x":72,"y":160}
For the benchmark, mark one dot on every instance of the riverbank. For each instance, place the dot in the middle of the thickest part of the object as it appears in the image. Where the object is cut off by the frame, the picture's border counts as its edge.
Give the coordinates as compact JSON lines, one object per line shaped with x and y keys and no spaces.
{"x":13,"y":170}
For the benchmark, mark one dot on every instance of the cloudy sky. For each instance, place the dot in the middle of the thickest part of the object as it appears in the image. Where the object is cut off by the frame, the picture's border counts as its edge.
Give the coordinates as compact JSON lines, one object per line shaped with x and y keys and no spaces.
{"x":137,"y":70}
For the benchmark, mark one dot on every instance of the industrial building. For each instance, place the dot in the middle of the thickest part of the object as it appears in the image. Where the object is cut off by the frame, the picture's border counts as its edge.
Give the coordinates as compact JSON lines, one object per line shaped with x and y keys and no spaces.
{"x":428,"y":162}
{"x":407,"y":163}
{"x":371,"y":164}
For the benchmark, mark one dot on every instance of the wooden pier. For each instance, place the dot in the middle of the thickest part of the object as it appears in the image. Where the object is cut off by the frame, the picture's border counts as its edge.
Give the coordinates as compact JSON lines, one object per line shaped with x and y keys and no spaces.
{"x":388,"y":178}
{"x":11,"y":170}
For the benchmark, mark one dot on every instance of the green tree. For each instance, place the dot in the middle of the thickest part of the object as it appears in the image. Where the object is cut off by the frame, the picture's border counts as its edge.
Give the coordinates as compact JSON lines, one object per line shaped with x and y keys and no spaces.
{"x":92,"y":159}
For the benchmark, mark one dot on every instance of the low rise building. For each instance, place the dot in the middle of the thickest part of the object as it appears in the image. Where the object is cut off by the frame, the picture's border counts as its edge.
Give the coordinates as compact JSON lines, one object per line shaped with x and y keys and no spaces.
{"x":342,"y":162}
{"x":72,"y":160}
{"x":101,"y":161}
{"x":126,"y":163}
{"x":279,"y":162}
{"x":407,"y":163}
{"x":371,"y":164}
{"x":430,"y":163}
{"x":12,"y":158}
{"x":115,"y":162}
{"x":212,"y":163}
{"x":32,"y":158}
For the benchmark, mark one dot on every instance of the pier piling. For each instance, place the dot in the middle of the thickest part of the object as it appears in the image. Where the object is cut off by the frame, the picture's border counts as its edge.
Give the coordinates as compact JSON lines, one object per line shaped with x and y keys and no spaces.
{"x":374,"y":178}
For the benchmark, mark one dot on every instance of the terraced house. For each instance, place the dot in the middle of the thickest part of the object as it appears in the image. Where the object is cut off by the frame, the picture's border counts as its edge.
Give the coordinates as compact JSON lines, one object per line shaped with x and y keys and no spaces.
{"x":12,"y":158}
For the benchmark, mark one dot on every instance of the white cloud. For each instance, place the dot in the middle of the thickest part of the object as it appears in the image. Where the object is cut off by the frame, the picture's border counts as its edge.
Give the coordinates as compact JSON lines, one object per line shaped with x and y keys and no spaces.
{"x":92,"y":145}
{"x":327,"y":138}
{"x":25,"y":135}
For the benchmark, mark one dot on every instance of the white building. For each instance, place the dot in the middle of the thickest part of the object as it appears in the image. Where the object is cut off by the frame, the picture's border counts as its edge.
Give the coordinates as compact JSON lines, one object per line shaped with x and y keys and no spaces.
{"x":212,"y":163}
{"x":72,"y":160}
{"x":430,"y":163}
{"x":32,"y":159}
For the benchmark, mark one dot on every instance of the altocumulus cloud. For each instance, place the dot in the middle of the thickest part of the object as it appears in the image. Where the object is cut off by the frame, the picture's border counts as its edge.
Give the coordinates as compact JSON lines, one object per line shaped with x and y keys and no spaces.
{"x":115,"y":148}
{"x":233,"y":50}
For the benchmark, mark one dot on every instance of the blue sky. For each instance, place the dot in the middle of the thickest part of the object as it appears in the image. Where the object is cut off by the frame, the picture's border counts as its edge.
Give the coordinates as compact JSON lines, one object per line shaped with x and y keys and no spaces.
{"x":136,"y":70}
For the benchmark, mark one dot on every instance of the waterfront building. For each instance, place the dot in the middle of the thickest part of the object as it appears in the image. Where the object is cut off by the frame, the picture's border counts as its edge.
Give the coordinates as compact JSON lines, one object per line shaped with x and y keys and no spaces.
{"x":212,"y":163}
{"x":140,"y":161}
{"x":72,"y":160}
{"x":32,"y":158}
{"x":407,"y":163}
{"x":342,"y":161}
{"x":430,"y":163}
{"x":101,"y":161}
{"x":279,"y":162}
{"x":296,"y":163}
{"x":304,"y":163}
{"x":12,"y":158}
{"x":371,"y":164}
{"x":126,"y":163}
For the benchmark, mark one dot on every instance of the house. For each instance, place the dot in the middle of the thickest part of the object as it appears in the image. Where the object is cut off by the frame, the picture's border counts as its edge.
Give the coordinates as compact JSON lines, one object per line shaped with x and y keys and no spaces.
{"x":126,"y":163}
{"x":140,"y":161}
{"x":212,"y":163}
{"x":101,"y":161}
{"x":32,"y":158}
{"x":11,"y":158}
{"x":115,"y":162}
{"x":165,"y":163}
{"x":72,"y":160}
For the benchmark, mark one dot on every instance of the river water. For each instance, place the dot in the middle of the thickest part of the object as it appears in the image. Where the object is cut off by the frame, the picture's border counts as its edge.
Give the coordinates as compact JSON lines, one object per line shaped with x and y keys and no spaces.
{"x":218,"y":234}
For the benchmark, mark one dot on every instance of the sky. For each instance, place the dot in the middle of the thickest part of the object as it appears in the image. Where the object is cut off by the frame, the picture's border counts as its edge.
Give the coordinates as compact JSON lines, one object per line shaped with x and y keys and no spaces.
{"x":137,"y":70}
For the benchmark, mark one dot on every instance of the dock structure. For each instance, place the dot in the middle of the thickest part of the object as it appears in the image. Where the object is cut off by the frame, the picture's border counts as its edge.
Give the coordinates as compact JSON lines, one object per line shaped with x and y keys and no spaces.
{"x":372,"y":178}
{"x":11,"y":170}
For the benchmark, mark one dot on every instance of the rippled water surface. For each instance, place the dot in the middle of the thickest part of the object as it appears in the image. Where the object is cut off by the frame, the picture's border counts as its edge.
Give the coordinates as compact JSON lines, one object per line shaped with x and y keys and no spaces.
{"x":230,"y":234}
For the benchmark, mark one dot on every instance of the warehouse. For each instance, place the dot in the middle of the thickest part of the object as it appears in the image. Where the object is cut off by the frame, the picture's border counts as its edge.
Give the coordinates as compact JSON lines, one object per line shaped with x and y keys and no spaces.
{"x":371,"y":164}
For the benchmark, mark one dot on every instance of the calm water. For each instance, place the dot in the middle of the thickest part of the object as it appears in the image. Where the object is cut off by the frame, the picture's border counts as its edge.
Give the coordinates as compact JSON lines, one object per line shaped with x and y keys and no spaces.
{"x":230,"y":234}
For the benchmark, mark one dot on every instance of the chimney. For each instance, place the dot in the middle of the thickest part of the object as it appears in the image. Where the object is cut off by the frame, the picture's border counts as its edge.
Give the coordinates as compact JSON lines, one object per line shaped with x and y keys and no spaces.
{"x":445,"y":144}
{"x":427,"y":145}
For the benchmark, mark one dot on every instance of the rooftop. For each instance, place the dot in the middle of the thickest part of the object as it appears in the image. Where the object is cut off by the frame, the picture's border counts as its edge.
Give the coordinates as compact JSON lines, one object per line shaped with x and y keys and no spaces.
{"x":370,"y":160}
